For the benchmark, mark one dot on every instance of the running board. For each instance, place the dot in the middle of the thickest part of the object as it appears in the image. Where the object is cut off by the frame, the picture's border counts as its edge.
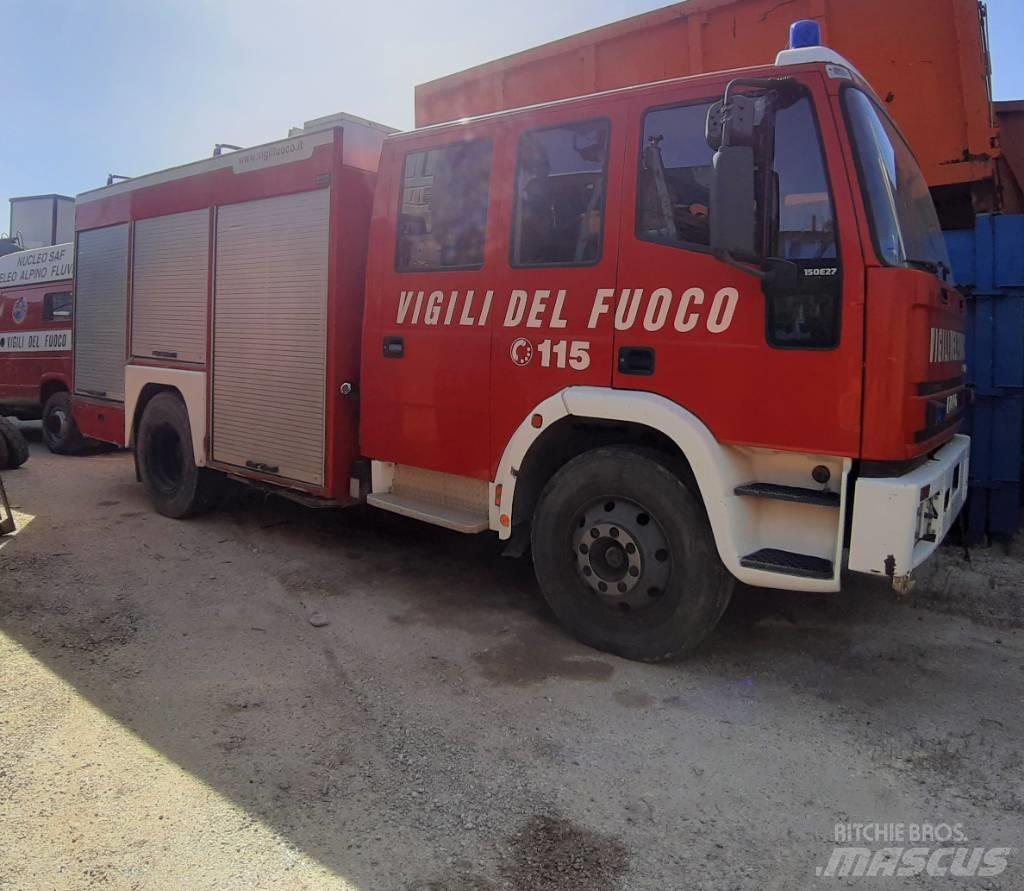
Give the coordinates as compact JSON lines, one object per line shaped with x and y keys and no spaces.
{"x":787,"y":563}
{"x":459,"y":519}
{"x":819,"y":497}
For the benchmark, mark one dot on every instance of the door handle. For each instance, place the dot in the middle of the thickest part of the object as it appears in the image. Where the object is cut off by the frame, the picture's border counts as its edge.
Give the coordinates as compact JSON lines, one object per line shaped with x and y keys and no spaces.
{"x":394,"y":347}
{"x":636,"y":360}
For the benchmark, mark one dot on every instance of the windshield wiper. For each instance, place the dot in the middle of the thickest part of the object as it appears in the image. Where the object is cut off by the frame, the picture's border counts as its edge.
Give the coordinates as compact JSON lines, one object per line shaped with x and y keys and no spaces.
{"x":936,"y":267}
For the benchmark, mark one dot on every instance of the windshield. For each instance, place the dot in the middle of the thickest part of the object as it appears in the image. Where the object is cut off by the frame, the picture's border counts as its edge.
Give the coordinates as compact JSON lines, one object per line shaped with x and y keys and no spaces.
{"x":906,"y":227}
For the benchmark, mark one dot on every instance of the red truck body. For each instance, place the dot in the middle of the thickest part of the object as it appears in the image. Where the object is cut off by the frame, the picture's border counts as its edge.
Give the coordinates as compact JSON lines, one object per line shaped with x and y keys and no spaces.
{"x":36,"y":311}
{"x":204,"y":188}
{"x":705,"y":316}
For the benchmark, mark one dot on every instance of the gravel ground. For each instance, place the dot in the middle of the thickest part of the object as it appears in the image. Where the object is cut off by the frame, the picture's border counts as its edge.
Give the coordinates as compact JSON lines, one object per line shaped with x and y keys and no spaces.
{"x":171,"y":718}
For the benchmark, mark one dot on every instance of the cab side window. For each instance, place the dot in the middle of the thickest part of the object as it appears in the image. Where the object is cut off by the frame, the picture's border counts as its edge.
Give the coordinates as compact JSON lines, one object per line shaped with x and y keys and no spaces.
{"x":561,"y":177}
{"x":442,"y":220}
{"x":806,"y":225}
{"x":57,"y":307}
{"x":674,"y":184}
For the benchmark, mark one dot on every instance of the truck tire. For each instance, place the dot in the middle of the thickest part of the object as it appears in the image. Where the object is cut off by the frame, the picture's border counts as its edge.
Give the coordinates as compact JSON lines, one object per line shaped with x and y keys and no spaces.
{"x":163,"y":450}
{"x":60,"y":432}
{"x":14,"y":440}
{"x":5,"y":453}
{"x":625,"y":557}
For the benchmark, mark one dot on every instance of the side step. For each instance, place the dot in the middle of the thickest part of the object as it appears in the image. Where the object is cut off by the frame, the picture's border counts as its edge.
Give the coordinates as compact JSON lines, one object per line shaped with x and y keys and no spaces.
{"x":460,"y":519}
{"x":787,"y":563}
{"x":444,"y":499}
{"x":796,"y":494}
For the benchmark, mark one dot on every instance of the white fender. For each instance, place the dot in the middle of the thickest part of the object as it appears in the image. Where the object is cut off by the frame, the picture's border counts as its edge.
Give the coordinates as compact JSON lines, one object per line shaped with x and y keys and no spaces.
{"x":717,"y":469}
{"x":191,"y":385}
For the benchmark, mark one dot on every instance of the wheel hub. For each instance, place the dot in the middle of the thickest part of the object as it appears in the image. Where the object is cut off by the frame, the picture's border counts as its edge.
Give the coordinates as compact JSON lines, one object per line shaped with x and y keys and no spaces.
{"x":57,"y":423}
{"x":621,"y":553}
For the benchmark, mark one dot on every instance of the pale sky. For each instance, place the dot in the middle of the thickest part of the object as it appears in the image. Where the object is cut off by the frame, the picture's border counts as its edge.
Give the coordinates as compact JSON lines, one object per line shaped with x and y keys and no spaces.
{"x":131,"y":86}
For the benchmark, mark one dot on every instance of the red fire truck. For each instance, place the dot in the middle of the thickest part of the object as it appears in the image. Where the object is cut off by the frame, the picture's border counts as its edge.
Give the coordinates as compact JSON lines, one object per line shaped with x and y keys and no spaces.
{"x":668,"y":337}
{"x":36,"y":310}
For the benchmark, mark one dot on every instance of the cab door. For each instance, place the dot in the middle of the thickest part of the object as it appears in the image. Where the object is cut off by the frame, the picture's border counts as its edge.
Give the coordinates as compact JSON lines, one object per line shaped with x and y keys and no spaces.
{"x":561,"y":205}
{"x":432,"y":285}
{"x":779,"y":371}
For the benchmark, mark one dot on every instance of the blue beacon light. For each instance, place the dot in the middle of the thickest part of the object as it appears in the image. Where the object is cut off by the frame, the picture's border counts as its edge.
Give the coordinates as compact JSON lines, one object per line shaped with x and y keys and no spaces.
{"x":804,"y":33}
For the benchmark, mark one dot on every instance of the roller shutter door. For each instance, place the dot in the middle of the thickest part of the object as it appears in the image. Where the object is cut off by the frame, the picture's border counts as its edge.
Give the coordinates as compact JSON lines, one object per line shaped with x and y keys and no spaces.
{"x":170,"y":277}
{"x":101,"y":299}
{"x":270,"y":335}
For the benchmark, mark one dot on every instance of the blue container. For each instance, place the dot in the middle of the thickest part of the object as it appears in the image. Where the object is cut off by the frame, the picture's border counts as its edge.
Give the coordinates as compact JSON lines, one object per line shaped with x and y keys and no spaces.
{"x":989,"y":257}
{"x":997,"y":425}
{"x":993,"y":510}
{"x":995,"y":343}
{"x":988,"y":263}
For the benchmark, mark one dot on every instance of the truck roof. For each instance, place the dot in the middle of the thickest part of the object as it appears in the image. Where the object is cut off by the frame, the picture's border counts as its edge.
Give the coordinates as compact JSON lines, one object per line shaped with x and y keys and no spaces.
{"x":361,"y":147}
{"x":806,"y":63}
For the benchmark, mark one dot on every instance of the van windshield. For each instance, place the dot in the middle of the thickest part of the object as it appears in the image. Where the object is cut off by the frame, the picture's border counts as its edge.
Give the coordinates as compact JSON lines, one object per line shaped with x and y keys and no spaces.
{"x":906,"y":227}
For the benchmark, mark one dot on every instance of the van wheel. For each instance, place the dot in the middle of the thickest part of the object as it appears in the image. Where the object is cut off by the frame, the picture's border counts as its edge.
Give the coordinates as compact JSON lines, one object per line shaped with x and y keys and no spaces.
{"x":163,"y":449}
{"x":14,"y":440}
{"x":625,"y":557}
{"x":60,"y":432}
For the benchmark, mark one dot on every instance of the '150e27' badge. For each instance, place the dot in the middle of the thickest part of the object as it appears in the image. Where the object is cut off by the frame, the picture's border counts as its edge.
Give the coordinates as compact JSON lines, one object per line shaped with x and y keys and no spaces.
{"x":19,"y":311}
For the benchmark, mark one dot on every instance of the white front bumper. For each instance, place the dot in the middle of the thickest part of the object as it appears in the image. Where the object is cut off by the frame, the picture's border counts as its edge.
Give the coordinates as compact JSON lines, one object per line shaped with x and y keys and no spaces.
{"x":899,"y":521}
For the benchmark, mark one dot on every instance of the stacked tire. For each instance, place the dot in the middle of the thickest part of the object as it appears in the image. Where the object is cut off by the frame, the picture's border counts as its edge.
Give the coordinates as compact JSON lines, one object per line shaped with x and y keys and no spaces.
{"x":13,"y":447}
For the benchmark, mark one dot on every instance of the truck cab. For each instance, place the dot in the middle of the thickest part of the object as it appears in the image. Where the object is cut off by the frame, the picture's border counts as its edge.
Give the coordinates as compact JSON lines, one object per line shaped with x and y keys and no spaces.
{"x":740,"y":276}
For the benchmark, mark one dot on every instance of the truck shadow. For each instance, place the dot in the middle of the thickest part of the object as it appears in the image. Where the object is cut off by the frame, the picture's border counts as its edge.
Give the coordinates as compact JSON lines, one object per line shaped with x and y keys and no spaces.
{"x":438,"y":709}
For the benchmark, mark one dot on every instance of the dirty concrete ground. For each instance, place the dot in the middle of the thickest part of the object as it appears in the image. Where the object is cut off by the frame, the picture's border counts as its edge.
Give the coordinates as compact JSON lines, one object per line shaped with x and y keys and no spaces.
{"x":170,"y":718}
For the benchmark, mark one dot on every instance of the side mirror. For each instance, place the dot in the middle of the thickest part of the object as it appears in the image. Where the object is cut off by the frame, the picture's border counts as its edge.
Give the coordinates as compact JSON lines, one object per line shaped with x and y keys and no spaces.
{"x":734,"y":203}
{"x":733,"y":121}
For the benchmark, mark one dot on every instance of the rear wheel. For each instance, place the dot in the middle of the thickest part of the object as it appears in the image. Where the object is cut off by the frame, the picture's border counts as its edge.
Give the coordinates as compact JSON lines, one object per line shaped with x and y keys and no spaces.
{"x":163,"y":448}
{"x":14,"y":439}
{"x":60,"y":432}
{"x":625,"y":557}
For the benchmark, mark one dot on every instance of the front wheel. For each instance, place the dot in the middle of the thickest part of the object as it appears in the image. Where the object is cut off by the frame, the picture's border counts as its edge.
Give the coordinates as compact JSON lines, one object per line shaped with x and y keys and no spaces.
{"x":163,"y":449}
{"x":60,"y":432}
{"x":625,"y":557}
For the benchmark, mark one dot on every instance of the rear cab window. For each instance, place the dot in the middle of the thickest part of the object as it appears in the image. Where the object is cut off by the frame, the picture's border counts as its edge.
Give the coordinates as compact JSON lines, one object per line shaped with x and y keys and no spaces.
{"x":443,"y":207}
{"x":560,"y":194}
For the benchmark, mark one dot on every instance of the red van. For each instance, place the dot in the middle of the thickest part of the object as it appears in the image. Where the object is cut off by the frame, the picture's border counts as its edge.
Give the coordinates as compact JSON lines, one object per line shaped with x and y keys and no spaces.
{"x":36,"y":310}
